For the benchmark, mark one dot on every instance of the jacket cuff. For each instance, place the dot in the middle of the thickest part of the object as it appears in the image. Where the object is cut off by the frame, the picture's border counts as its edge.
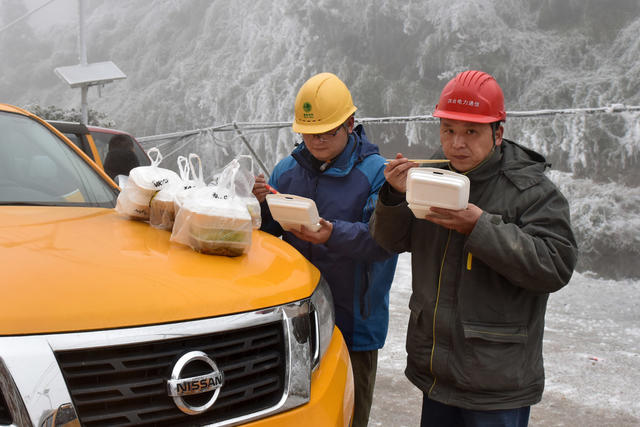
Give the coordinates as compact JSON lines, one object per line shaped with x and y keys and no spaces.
{"x":389,"y":196}
{"x":480,"y":233}
{"x":334,"y":241}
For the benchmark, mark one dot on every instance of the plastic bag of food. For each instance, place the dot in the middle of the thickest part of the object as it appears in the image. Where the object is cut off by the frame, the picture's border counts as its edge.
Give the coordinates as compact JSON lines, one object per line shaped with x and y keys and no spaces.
{"x":162,"y":212}
{"x":238,"y":175}
{"x":143,"y":184}
{"x":212,"y":221}
{"x":215,"y":219}
{"x":196,"y":181}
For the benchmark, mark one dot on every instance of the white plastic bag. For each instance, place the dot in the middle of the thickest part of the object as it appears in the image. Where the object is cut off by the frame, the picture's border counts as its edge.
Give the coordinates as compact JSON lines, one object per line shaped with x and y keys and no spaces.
{"x":188,"y":167}
{"x":212,"y":222}
{"x":143,"y":183}
{"x":238,"y":176}
{"x":162,"y":207}
{"x":215,"y":219}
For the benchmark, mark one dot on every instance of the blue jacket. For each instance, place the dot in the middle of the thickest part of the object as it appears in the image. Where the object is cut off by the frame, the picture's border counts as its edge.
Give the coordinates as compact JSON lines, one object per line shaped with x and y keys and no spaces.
{"x":357,"y":269}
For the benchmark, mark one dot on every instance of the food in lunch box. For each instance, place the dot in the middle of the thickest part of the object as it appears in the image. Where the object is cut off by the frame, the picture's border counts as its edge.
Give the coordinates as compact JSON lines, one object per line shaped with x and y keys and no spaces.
{"x":212,"y":223}
{"x":143,"y":184}
{"x":162,"y":213}
{"x":220,"y":235}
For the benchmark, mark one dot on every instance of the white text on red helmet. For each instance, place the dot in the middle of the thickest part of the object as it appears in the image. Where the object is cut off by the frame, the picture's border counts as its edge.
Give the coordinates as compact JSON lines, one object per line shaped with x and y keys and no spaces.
{"x":469,"y":102}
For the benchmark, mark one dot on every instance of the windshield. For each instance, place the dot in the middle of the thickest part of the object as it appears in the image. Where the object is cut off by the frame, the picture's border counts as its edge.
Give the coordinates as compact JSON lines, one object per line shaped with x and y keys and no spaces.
{"x":38,"y":168}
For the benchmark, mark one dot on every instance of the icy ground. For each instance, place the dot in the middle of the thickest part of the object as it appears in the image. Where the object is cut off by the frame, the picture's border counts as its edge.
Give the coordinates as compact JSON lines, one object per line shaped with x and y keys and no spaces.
{"x":591,"y":352}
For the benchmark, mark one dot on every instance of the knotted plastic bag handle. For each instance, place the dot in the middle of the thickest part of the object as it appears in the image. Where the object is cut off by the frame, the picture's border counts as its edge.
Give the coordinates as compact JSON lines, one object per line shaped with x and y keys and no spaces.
{"x":198,"y":178}
{"x":158,"y":157}
{"x":183,"y":168}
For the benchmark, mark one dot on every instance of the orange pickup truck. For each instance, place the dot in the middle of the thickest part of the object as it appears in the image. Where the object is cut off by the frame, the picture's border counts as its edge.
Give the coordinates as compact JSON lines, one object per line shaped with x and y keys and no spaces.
{"x":104,"y":321}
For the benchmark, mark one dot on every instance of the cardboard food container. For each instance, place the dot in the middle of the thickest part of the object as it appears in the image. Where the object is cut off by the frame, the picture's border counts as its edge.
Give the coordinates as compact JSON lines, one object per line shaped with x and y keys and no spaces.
{"x":132,"y":209}
{"x":162,"y":212}
{"x":292,"y":211}
{"x":142,"y":185}
{"x":133,"y":201}
{"x":441,"y":188}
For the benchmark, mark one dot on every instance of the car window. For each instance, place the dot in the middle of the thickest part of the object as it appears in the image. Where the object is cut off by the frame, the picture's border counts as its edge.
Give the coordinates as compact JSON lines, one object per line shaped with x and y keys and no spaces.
{"x":80,"y":142}
{"x":102,"y":143}
{"x":143,"y":159}
{"x":37,"y":167}
{"x":101,"y":140}
{"x":76,"y":140}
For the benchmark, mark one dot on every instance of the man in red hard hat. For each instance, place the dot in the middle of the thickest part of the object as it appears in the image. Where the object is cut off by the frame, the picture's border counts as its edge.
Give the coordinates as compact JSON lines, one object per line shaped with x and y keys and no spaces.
{"x":481,"y":275}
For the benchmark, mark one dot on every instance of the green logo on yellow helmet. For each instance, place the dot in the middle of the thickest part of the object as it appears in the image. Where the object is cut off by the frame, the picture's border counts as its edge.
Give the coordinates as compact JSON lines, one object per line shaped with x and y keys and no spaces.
{"x":306,"y":107}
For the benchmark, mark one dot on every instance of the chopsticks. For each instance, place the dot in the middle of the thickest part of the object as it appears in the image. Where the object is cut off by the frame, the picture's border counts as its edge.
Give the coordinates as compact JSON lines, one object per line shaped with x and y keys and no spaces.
{"x":422,"y":161}
{"x":271,"y":189}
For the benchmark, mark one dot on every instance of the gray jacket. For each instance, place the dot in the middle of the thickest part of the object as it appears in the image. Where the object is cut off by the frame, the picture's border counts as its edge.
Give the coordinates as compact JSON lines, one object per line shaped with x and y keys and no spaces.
{"x":477,"y":309}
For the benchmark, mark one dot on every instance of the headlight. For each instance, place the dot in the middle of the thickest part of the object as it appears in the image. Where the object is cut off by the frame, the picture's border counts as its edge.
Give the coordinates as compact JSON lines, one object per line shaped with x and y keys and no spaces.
{"x":323,"y":321}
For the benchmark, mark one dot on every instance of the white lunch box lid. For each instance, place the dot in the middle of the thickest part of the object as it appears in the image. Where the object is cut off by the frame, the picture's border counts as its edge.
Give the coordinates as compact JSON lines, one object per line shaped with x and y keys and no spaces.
{"x":441,"y":188}
{"x":294,"y":211}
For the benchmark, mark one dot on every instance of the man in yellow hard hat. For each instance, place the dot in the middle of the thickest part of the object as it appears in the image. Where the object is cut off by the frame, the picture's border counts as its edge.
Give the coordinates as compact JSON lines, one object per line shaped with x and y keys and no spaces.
{"x":481,"y":276}
{"x":337,"y":167}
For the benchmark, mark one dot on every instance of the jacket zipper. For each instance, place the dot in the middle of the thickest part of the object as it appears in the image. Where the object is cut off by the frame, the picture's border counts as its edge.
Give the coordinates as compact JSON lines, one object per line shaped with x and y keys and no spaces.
{"x":435,"y":312}
{"x":315,"y":197}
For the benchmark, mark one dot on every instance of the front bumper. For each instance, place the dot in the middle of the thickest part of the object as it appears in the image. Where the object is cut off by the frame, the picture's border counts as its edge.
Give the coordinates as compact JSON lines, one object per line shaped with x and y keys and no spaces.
{"x":332,"y":395}
{"x":37,"y":389}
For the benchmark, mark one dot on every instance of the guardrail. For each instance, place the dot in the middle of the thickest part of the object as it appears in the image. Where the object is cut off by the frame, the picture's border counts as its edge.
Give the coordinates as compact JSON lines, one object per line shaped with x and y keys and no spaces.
{"x":243,"y":128}
{"x":238,"y":127}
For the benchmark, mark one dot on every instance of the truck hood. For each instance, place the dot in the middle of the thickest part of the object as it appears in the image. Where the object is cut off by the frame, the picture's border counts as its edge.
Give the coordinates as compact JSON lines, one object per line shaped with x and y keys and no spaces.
{"x":78,"y":269}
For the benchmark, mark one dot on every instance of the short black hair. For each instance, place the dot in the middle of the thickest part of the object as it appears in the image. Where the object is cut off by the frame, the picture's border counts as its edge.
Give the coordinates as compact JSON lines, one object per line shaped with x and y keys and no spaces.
{"x":120,"y":142}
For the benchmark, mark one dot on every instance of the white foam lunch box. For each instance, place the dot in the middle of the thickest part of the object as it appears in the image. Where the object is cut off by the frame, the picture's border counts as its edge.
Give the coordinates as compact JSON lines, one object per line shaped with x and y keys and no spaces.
{"x":441,"y":188}
{"x":293,"y":211}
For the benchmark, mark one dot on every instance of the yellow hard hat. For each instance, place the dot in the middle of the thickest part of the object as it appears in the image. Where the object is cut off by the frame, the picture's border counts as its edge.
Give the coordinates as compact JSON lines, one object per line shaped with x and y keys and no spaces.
{"x":323,"y":103}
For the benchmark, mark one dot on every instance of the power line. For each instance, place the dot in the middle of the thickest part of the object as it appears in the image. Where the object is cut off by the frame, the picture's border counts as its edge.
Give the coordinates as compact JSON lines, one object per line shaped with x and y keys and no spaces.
{"x":11,"y":24}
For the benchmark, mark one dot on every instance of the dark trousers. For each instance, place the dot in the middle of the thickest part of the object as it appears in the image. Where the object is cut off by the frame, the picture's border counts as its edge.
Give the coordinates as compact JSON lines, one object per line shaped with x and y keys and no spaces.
{"x":436,"y":414}
{"x":364,"y":364}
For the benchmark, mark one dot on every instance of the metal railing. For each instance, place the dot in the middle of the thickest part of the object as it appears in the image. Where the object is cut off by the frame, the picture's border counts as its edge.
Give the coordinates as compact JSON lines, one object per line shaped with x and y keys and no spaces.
{"x":242,"y":128}
{"x":246,"y":126}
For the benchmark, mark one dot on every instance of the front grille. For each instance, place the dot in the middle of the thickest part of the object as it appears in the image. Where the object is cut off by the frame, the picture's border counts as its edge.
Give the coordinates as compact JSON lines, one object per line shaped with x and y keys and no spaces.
{"x":126,"y":385}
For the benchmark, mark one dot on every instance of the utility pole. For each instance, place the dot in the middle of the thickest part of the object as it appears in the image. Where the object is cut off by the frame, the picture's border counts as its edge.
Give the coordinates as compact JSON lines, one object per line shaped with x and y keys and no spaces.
{"x":84,"y":74}
{"x":82,"y":46}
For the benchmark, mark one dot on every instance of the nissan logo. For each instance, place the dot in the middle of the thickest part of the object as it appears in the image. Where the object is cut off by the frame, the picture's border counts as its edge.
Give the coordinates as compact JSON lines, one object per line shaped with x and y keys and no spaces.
{"x":188,"y":392}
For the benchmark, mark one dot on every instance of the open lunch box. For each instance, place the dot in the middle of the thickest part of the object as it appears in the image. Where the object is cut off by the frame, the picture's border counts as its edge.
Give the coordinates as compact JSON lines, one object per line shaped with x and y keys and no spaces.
{"x":293,"y":211}
{"x":441,"y":188}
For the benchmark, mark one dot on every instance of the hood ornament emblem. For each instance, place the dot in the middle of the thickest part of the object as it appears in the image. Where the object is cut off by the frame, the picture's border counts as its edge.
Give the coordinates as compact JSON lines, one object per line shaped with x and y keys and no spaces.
{"x":180,"y":388}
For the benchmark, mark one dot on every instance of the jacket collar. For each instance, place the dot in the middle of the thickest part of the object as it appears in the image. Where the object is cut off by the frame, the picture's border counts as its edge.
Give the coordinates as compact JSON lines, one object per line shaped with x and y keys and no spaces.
{"x":357,"y":148}
{"x":488,"y":168}
{"x":522,"y":166}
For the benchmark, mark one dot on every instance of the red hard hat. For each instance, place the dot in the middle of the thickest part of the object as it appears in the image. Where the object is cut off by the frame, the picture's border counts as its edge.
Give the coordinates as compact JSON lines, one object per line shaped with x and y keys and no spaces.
{"x":471,"y":96}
